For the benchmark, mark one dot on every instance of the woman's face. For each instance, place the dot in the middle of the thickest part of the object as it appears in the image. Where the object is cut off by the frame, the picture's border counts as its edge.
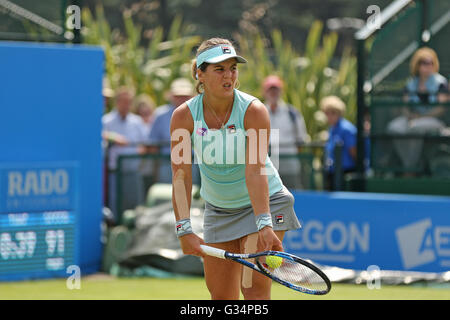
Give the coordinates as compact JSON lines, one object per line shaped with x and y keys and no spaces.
{"x":220,"y":78}
{"x":426,"y":67}
{"x":332,"y":116}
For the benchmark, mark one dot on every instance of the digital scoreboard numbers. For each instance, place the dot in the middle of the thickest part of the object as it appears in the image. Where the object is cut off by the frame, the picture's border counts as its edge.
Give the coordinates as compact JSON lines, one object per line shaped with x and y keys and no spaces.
{"x":36,"y":241}
{"x":38,"y":219}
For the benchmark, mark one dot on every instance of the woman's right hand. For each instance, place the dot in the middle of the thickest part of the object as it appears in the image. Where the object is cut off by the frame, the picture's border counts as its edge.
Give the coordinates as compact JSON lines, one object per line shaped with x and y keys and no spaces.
{"x":190,"y":244}
{"x":269,"y":239}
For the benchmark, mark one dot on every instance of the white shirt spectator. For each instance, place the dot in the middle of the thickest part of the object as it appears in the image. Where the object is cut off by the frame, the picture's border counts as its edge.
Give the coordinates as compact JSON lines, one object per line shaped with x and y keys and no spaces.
{"x":290,"y":131}
{"x":287,"y":130}
{"x":130,"y":128}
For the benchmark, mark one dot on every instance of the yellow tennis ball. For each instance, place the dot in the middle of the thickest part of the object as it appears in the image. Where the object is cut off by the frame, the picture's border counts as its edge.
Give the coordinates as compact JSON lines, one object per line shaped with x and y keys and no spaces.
{"x":274,"y":261}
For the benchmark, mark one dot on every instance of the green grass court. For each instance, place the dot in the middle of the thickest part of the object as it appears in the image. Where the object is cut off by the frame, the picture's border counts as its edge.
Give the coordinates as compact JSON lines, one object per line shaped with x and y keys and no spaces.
{"x":107,"y":288}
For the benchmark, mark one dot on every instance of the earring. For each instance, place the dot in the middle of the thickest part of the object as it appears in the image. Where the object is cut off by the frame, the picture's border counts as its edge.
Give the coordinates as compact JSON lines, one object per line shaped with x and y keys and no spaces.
{"x":237,"y":84}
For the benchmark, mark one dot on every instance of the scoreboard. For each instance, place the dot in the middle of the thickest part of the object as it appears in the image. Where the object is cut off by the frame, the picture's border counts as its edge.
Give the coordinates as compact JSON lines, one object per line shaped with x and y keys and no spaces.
{"x":37,"y":242}
{"x":50,"y":159}
{"x":38,"y":219}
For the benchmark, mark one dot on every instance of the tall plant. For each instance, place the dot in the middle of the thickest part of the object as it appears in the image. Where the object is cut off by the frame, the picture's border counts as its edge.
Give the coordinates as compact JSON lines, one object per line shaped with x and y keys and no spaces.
{"x":148,"y":69}
{"x":308,"y":77}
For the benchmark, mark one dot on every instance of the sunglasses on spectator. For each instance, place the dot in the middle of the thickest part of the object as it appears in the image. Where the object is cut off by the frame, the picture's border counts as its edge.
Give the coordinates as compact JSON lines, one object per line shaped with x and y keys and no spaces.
{"x":426,"y":62}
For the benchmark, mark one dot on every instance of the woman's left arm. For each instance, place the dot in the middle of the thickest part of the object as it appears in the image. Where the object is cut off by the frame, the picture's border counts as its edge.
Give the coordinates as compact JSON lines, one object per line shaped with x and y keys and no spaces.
{"x":257,"y":126}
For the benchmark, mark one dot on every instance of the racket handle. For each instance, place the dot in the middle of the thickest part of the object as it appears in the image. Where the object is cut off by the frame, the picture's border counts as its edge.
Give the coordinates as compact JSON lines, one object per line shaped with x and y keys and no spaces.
{"x":214,"y":252}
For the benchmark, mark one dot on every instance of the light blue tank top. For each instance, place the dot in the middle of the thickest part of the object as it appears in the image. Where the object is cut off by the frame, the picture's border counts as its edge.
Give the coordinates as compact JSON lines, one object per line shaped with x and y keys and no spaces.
{"x":220,"y":155}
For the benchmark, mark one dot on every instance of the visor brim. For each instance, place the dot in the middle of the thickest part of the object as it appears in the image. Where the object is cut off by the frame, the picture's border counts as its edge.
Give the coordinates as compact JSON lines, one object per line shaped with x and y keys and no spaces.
{"x":224,"y":57}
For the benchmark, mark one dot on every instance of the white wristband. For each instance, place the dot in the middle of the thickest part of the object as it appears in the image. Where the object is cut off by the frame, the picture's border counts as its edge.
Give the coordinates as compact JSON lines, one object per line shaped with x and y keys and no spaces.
{"x":264,"y":220}
{"x":183,"y":227}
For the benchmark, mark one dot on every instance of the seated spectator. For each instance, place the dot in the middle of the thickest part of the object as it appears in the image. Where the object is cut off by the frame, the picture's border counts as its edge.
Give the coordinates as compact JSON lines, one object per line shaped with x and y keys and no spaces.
{"x":426,"y":86}
{"x":288,"y":127}
{"x":341,"y":133}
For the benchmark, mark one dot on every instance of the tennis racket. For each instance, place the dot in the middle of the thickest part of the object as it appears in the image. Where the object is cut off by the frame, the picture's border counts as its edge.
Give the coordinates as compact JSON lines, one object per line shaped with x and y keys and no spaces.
{"x":292,"y":272}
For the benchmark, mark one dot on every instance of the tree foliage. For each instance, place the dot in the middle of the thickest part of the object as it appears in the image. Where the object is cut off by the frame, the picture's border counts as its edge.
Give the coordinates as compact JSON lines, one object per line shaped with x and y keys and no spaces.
{"x":309,"y":73}
{"x":207,"y":18}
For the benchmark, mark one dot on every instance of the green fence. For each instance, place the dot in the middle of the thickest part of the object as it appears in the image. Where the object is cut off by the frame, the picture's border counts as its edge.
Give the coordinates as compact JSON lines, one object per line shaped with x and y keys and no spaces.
{"x":415,"y":149}
{"x":135,"y":175}
{"x":389,"y":49}
{"x":384,"y":54}
{"x":45,"y":21}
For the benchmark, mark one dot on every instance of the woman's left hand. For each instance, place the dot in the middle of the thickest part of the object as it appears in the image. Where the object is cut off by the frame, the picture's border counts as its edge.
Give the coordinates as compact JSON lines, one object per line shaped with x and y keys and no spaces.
{"x":269,"y":239}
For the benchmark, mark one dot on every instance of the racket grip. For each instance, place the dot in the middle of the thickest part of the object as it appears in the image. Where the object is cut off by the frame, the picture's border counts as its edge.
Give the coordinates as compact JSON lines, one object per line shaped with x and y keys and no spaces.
{"x":214,"y":252}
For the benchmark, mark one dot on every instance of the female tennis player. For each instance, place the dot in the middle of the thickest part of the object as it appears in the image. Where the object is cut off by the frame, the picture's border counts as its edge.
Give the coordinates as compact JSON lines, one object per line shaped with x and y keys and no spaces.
{"x":247,"y":208}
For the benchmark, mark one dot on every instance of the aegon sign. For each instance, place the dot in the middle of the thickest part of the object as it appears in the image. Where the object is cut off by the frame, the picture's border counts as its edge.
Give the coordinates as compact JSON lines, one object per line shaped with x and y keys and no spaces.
{"x":332,"y":241}
{"x":358,"y":230}
{"x":335,"y":236}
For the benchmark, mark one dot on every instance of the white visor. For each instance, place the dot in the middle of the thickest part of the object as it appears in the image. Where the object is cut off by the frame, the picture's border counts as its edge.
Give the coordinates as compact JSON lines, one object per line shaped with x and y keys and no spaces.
{"x":218,"y":54}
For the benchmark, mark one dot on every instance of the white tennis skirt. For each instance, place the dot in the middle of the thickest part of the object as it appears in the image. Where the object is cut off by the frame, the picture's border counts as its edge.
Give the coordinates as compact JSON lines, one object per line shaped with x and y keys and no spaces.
{"x":226,"y":224}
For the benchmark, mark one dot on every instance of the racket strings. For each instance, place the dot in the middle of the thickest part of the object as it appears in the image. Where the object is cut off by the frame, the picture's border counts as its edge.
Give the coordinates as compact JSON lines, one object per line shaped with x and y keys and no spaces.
{"x":298,"y":274}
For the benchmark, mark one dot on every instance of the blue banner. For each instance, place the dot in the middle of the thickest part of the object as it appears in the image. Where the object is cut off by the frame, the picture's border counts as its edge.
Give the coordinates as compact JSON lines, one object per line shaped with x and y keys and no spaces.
{"x":357,"y":230}
{"x":51,"y":159}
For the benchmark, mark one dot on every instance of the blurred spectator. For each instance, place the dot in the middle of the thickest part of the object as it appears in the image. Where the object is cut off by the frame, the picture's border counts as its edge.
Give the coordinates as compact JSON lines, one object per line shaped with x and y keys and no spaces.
{"x":124,"y":133}
{"x":287,"y":124}
{"x":181,"y":90}
{"x":367,"y":143}
{"x":108,"y":95}
{"x":341,"y":133}
{"x":426,"y":86}
{"x":145,"y":107}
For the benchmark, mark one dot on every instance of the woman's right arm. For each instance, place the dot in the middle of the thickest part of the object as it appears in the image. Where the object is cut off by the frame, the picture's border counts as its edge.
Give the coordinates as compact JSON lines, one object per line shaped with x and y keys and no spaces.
{"x":181,"y":127}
